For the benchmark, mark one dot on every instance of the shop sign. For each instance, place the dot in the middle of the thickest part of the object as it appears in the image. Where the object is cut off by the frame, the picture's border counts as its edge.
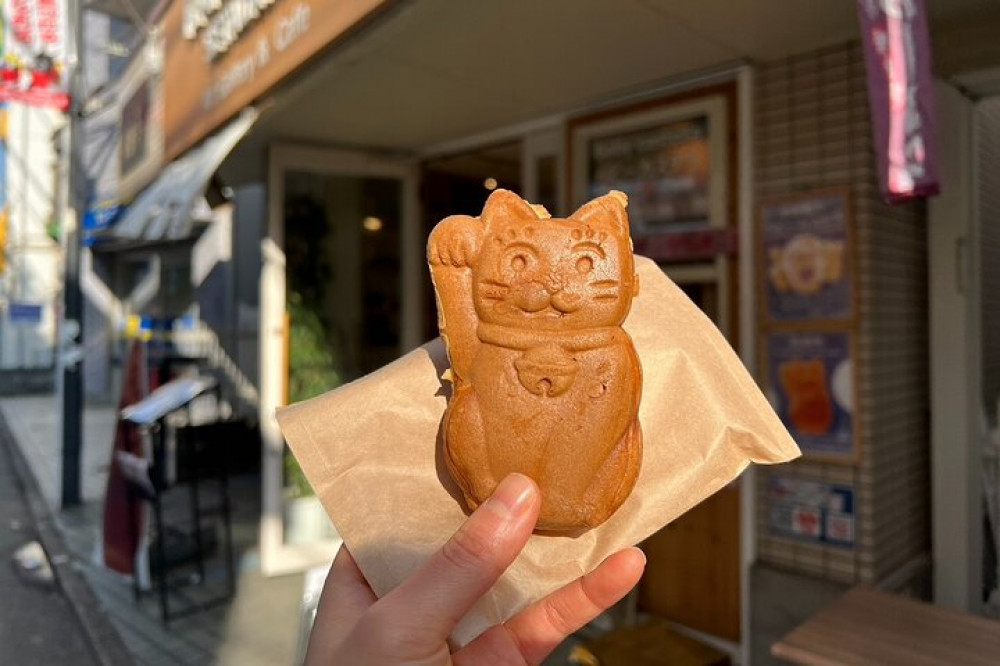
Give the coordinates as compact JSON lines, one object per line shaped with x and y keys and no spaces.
{"x":809,"y":511}
{"x":672,"y":160}
{"x":219,"y":24}
{"x":810,"y":384}
{"x":664,"y":170}
{"x":222,"y":55}
{"x":34,"y":53}
{"x":806,"y":258}
{"x":901,"y":95}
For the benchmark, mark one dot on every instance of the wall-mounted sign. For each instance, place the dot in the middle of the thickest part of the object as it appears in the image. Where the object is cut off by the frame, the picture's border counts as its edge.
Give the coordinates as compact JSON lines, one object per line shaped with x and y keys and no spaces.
{"x":221,"y":55}
{"x":810,"y":511}
{"x":806,"y":258}
{"x":664,"y":169}
{"x":810,"y":384}
{"x":671,"y":161}
{"x":24,"y":313}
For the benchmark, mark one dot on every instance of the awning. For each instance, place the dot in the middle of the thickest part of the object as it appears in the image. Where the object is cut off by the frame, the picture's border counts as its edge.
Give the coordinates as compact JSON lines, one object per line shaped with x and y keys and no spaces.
{"x":168,"y":208}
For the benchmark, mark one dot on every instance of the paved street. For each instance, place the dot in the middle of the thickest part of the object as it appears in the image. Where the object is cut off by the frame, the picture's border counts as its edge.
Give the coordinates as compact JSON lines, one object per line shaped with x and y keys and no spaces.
{"x":37,"y":624}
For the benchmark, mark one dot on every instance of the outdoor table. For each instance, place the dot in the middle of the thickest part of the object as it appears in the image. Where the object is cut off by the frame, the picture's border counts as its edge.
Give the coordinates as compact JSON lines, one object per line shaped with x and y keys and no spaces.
{"x":865,"y":626}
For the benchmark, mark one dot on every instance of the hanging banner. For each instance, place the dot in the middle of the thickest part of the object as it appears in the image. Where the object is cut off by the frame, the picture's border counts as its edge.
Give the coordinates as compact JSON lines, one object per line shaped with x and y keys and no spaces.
{"x":34,"y":62}
{"x":898,"y":62}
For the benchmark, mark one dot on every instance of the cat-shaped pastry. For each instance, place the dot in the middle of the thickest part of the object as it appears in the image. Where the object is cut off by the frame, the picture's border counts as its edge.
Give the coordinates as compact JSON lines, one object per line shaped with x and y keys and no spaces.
{"x":545,"y":381}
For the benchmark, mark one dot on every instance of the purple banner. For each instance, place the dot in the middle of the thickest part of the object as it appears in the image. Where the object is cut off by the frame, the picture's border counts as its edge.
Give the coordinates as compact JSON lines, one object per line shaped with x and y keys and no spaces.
{"x":898,"y":59}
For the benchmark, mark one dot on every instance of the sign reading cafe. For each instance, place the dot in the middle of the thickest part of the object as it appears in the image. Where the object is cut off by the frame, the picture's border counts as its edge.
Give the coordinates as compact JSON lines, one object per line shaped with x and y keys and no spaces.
{"x":220,"y":23}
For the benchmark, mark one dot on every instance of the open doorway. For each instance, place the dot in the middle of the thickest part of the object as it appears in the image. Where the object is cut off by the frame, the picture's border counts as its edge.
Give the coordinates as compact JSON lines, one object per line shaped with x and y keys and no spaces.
{"x":459,"y":184}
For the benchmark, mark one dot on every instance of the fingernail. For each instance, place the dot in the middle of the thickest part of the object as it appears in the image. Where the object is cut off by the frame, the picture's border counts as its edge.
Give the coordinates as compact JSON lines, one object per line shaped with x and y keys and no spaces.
{"x":512,"y":496}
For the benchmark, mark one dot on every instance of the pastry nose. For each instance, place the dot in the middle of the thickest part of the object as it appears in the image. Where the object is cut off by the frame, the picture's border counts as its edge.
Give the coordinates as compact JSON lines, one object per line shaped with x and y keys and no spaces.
{"x":553,"y":283}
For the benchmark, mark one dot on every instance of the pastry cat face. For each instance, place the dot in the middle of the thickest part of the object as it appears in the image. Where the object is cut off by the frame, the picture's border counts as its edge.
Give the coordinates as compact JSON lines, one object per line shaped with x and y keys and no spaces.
{"x":554,"y":274}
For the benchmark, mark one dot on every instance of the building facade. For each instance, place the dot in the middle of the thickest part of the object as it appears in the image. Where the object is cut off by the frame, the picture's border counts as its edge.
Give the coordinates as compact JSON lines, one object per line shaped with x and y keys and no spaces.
{"x":309,"y":146}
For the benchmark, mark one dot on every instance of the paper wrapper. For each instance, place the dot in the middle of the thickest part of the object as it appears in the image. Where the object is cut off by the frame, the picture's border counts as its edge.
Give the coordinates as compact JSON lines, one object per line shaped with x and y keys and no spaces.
{"x":372,"y":452}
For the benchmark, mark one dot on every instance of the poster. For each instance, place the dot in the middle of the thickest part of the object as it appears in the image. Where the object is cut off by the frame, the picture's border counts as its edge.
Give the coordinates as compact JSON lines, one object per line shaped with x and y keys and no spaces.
{"x":33,"y":68}
{"x":810,"y":511}
{"x":807,"y":258}
{"x":810,"y":384}
{"x":665,"y":170}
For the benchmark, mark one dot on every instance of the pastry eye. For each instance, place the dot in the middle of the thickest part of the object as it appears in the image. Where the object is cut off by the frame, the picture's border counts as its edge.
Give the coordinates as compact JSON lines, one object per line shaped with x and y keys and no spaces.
{"x":584,"y":264}
{"x":518,"y":258}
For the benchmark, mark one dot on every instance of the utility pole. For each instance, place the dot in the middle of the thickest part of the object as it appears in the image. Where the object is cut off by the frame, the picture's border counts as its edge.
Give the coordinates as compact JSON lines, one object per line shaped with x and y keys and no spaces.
{"x":72,"y":324}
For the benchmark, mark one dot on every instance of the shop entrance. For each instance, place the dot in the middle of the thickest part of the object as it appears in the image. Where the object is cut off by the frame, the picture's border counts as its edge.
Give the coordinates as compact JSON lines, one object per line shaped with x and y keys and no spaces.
{"x":337,"y":303}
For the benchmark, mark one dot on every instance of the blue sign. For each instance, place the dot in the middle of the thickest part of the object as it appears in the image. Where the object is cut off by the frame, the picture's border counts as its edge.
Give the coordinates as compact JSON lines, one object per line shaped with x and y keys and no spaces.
{"x":810,"y":511}
{"x":98,"y":218}
{"x":24,"y":313}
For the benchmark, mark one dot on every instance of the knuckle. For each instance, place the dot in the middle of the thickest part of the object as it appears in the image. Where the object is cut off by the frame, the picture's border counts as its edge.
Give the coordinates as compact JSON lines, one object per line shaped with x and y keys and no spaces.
{"x":559,"y":617}
{"x":466,"y":550}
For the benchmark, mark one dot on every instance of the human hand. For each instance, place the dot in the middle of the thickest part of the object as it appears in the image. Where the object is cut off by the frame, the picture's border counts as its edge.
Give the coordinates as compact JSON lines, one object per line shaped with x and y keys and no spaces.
{"x":411,"y":624}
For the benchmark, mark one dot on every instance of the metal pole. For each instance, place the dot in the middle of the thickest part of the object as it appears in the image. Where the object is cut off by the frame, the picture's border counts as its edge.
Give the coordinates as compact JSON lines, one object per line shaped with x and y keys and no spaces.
{"x":72,"y":375}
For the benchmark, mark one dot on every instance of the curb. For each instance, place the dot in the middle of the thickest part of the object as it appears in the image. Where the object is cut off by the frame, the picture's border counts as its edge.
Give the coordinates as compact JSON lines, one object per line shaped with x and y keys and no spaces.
{"x":104,"y":640}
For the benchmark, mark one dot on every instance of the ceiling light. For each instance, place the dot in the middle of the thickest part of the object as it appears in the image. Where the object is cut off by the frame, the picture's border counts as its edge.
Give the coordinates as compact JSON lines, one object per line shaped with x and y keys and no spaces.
{"x":490,"y":183}
{"x":371,"y":224}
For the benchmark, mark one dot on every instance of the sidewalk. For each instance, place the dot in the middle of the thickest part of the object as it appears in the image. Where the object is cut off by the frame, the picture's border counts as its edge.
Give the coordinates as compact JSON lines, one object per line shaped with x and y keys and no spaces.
{"x":35,"y":423}
{"x":37,"y":623}
{"x":258,"y":626}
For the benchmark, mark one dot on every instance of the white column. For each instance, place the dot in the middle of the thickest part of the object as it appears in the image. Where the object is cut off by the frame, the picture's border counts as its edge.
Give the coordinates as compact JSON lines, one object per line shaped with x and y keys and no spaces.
{"x":954,"y":354}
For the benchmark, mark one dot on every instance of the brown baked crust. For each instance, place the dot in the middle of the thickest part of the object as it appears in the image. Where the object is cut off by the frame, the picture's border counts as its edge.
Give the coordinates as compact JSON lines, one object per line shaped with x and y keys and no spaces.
{"x":545,"y":380}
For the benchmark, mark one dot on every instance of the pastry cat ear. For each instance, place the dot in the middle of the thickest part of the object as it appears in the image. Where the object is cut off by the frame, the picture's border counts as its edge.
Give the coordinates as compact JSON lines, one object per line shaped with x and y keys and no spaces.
{"x":608,"y":210}
{"x":504,"y":206}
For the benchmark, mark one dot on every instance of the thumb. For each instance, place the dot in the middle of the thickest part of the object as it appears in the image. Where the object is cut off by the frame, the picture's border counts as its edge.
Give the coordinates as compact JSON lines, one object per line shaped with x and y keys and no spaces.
{"x":466,"y":567}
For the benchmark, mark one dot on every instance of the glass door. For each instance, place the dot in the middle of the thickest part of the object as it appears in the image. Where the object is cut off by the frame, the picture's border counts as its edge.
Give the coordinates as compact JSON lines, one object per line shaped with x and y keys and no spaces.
{"x":342,"y":262}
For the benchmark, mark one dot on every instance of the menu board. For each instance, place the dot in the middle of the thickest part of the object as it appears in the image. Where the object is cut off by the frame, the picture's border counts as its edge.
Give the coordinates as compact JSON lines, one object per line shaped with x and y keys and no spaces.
{"x":810,"y":384}
{"x":806,"y":258}
{"x":665,"y":170}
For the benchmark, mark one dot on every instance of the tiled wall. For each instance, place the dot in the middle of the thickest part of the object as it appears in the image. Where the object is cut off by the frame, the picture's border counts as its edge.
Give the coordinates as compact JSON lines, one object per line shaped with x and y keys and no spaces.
{"x":813,"y":131}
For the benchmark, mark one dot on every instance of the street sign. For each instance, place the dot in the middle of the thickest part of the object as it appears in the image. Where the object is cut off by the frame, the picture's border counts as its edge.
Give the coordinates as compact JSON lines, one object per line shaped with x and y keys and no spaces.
{"x":24,"y":313}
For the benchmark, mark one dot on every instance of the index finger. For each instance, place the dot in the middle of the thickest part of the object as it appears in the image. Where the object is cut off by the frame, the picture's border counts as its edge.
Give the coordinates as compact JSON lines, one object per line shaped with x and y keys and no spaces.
{"x":468,"y":565}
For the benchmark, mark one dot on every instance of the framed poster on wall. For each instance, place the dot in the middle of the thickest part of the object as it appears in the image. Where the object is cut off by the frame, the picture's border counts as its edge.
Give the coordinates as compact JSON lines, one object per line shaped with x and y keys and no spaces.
{"x":806,"y":259}
{"x":671,"y":160}
{"x":810,"y":383}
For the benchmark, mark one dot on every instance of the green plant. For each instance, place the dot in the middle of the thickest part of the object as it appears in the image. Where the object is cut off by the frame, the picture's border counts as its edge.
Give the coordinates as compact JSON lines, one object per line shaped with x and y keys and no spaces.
{"x":312,"y":370}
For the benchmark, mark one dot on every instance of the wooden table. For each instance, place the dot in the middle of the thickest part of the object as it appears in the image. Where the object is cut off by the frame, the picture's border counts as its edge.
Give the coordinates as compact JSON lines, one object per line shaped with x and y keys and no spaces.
{"x":869,"y":627}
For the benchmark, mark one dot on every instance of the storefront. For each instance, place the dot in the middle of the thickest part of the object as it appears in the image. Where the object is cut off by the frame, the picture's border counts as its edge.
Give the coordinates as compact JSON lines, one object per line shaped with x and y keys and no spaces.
{"x":735,"y":133}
